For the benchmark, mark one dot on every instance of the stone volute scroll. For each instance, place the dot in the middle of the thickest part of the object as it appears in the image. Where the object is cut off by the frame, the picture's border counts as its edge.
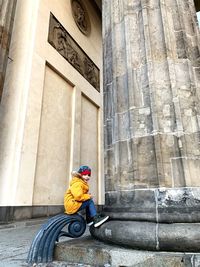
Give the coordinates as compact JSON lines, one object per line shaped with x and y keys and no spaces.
{"x":80,"y":16}
{"x":42,"y":247}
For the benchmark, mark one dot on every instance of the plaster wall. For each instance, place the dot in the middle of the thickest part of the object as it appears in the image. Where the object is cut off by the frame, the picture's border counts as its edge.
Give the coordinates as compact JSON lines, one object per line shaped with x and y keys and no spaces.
{"x":46,"y":107}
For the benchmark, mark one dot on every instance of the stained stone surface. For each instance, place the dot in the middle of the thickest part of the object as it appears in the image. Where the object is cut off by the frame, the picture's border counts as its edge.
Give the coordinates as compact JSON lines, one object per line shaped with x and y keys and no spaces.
{"x":95,"y":253}
{"x":158,"y":205}
{"x":183,"y":237}
{"x":7,"y":10}
{"x":151,"y":124}
{"x":151,"y":99}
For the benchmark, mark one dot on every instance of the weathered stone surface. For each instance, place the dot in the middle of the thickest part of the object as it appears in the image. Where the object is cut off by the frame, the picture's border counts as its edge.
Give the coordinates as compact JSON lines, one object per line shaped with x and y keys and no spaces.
{"x":178,"y":205}
{"x":152,"y":148}
{"x":130,"y":233}
{"x":159,"y":205}
{"x":179,"y":237}
{"x":151,"y":97}
{"x":150,"y":236}
{"x":89,"y":251}
{"x":132,"y":204}
{"x":7,"y":11}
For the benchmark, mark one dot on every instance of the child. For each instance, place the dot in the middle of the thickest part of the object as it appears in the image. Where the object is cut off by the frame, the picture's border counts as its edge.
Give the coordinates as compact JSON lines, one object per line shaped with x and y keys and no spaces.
{"x":77,"y":197}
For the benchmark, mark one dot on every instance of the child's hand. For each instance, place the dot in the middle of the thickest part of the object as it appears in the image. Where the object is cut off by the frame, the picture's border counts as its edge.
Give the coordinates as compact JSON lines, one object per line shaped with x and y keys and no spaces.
{"x":91,"y":197}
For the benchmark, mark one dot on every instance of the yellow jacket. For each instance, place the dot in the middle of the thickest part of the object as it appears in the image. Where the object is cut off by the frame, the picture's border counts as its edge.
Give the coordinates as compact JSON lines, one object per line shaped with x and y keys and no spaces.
{"x":75,"y":195}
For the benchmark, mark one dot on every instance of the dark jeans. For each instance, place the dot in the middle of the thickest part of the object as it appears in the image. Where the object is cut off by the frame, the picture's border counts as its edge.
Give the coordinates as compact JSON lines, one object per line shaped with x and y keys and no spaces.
{"x":89,"y":206}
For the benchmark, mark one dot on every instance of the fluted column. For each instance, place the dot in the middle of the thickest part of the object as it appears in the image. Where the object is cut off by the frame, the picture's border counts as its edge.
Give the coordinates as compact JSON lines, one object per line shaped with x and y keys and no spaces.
{"x":7,"y":11}
{"x":151,"y":114}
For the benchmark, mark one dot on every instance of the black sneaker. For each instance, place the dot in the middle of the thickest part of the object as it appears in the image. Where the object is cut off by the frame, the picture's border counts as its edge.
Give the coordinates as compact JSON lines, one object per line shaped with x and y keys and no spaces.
{"x":99,"y":220}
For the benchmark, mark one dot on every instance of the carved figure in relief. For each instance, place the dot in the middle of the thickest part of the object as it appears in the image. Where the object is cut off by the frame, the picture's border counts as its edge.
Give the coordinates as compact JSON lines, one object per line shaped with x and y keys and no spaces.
{"x":79,"y":16}
{"x":64,"y":47}
{"x":72,"y":56}
{"x":89,"y":71}
{"x":59,"y":39}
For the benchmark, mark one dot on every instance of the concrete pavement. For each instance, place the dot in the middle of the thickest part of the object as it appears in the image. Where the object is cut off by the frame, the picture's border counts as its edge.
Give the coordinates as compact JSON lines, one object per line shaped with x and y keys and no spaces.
{"x":16,"y":238}
{"x":15,"y":241}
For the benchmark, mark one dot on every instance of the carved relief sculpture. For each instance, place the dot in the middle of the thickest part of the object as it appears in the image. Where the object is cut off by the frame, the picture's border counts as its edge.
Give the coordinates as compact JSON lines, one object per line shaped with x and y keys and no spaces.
{"x":89,"y":69}
{"x":80,"y":16}
{"x":61,"y":40}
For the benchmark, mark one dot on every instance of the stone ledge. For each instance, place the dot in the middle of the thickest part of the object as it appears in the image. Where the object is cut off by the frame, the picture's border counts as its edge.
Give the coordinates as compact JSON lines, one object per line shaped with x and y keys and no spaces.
{"x":86,"y":250}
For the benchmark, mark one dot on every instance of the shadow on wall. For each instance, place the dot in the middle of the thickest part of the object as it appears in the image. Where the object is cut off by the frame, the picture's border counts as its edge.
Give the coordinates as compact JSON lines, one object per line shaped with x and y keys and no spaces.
{"x":197,"y":5}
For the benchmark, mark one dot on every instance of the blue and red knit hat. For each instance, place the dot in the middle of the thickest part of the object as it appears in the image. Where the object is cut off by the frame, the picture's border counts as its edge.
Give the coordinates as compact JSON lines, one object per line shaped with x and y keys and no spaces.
{"x":84,"y":170}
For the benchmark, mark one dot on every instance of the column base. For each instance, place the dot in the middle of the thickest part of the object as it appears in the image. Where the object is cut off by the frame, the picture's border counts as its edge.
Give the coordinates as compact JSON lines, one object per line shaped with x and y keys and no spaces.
{"x":181,"y":237}
{"x":163,"y":205}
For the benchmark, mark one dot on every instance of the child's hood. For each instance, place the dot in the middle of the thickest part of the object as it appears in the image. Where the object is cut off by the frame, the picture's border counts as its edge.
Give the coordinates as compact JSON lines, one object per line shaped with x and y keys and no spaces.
{"x":76,"y":179}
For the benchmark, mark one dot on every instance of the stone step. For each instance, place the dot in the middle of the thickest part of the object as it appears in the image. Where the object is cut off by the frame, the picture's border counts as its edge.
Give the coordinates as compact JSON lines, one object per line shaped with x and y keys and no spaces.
{"x":51,"y":264}
{"x":88,"y":251}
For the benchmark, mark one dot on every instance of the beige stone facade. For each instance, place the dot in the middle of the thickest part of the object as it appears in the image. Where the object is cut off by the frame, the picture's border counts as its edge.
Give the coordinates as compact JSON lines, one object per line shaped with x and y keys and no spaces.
{"x":50,"y":114}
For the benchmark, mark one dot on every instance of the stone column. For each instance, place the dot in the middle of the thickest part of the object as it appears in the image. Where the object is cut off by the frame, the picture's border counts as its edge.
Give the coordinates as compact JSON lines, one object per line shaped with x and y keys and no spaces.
{"x":7,"y":11}
{"x":151,"y":119}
